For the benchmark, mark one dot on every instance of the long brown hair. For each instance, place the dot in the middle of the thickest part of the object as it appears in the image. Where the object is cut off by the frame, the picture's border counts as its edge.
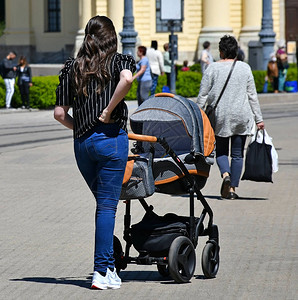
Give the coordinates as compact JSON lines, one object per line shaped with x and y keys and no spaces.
{"x":24,"y":60}
{"x":94,"y":57}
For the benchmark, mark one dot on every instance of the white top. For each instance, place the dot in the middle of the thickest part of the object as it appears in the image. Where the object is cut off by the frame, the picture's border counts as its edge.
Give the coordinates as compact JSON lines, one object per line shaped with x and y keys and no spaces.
{"x":155,"y":60}
{"x":206,"y":59}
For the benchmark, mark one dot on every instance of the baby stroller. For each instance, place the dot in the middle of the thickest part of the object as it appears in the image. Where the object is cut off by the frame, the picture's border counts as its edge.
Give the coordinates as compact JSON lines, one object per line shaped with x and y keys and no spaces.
{"x":173,"y":153}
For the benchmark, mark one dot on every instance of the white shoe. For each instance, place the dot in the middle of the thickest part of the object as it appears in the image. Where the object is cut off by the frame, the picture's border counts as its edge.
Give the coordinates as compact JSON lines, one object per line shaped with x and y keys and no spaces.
{"x":114,"y":282}
{"x":99,"y":282}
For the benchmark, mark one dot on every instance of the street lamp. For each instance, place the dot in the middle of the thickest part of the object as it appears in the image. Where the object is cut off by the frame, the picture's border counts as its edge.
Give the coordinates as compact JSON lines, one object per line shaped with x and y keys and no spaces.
{"x":171,"y":10}
{"x":267,"y":35}
{"x":128,"y":35}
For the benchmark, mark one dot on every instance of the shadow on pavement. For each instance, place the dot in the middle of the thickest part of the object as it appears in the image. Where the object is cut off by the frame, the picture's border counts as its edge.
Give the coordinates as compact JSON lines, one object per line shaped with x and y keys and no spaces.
{"x":139,"y":276}
{"x":83,"y":282}
{"x":143,"y":276}
{"x":223,"y":199}
{"x":240,"y":198}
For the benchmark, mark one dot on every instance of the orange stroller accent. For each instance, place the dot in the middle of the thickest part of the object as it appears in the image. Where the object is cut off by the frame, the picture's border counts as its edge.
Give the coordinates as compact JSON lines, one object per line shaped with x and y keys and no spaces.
{"x":174,"y":151}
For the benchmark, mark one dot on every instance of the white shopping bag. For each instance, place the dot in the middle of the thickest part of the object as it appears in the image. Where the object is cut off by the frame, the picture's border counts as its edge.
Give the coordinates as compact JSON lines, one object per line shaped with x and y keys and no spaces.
{"x":268,"y":141}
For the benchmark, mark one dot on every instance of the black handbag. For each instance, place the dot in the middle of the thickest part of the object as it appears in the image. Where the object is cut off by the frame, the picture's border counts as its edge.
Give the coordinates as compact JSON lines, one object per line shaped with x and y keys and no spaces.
{"x":258,"y":162}
{"x":210,"y":110}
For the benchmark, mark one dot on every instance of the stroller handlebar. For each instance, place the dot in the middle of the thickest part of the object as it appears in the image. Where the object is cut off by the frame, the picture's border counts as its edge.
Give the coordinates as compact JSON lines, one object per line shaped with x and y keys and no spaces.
{"x":142,"y":138}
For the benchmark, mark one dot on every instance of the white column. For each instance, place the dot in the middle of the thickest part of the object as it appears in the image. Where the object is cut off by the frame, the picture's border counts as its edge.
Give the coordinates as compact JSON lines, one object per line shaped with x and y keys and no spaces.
{"x":282,"y":21}
{"x":251,"y":22}
{"x":115,"y":13}
{"x":18,"y":29}
{"x":216,"y":23}
{"x":85,"y":14}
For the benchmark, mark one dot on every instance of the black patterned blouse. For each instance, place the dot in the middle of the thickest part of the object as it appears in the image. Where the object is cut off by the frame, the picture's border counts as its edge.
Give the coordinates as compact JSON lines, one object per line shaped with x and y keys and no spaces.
{"x":86,"y":110}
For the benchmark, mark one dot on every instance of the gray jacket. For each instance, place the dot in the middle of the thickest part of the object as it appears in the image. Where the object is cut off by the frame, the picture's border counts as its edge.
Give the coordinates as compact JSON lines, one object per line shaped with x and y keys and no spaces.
{"x":238,"y":107}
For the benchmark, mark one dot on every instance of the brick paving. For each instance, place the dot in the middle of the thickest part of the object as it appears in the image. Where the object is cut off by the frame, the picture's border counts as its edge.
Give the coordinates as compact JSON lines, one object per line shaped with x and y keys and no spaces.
{"x":47,"y":215}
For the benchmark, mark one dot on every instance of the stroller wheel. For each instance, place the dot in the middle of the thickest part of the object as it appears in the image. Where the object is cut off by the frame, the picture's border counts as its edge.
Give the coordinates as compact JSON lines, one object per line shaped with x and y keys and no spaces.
{"x":118,"y":255}
{"x":163,"y":270}
{"x":182,"y":259}
{"x":210,"y":260}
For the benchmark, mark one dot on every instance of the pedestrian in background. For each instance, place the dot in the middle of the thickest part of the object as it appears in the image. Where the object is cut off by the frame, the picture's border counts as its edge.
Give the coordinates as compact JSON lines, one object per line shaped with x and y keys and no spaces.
{"x":235,"y":113}
{"x":9,"y":69}
{"x":143,"y":76}
{"x":282,"y":63}
{"x":156,"y":64}
{"x":167,"y":64}
{"x":24,"y":81}
{"x":185,"y":67}
{"x":272,"y":72}
{"x":206,"y":57}
{"x":94,"y":84}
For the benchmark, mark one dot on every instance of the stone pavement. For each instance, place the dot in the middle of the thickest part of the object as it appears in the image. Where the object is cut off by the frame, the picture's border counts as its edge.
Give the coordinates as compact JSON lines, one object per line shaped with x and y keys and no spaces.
{"x":47,"y":229}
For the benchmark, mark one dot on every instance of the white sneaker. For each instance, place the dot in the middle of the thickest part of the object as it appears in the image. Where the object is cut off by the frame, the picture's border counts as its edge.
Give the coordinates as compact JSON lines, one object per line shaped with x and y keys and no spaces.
{"x":114,"y":282}
{"x":99,"y":282}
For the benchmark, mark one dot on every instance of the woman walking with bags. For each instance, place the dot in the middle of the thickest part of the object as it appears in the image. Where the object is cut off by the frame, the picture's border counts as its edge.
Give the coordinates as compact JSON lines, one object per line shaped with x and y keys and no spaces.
{"x":235,"y":113}
{"x":94,"y":84}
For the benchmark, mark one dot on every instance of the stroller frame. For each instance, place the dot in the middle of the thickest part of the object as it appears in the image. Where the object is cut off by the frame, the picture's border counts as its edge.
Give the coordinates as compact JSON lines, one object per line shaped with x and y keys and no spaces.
{"x":180,"y":261}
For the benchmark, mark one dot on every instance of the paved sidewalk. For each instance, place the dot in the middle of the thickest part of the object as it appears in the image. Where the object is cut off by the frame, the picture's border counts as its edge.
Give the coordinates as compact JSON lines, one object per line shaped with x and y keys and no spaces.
{"x":47,"y":214}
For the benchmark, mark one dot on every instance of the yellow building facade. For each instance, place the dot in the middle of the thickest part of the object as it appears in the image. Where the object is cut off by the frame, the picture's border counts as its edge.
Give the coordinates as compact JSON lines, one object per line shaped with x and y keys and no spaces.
{"x":28,"y":25}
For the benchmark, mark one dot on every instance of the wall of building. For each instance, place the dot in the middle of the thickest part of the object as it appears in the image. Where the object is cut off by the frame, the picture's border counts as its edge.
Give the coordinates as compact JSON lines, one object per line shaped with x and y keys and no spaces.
{"x":54,"y":41}
{"x":26,"y":24}
{"x":26,"y":30}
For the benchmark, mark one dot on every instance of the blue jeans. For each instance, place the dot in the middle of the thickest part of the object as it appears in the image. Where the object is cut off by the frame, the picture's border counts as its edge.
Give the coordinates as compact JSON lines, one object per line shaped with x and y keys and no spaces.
{"x":154,"y":83}
{"x":101,"y":155}
{"x":222,"y":156}
{"x":282,"y":74}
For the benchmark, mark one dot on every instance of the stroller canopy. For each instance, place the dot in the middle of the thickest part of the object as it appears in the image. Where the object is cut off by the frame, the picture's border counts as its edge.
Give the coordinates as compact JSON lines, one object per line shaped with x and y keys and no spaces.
{"x":180,"y":121}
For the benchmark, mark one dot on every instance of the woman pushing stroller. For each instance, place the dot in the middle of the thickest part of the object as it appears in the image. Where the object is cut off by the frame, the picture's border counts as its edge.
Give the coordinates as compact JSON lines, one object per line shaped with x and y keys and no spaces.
{"x":94,"y":84}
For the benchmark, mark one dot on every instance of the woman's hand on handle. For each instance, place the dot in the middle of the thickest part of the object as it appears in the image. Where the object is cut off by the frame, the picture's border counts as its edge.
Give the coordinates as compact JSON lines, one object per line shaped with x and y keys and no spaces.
{"x":261,"y":125}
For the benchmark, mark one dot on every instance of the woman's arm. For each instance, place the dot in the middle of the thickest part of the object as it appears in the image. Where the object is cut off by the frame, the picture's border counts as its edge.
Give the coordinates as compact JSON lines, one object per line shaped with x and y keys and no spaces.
{"x":122,"y":89}
{"x":64,"y":96}
{"x":254,"y":102}
{"x":205,"y":87}
{"x":140,"y":72}
{"x":30,"y":76}
{"x":61,"y":115}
